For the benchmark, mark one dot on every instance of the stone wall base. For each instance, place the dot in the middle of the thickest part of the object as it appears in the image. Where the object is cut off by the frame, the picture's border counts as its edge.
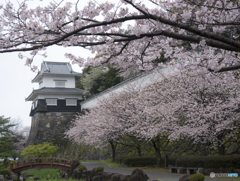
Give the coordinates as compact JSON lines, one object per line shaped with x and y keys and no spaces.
{"x":50,"y":127}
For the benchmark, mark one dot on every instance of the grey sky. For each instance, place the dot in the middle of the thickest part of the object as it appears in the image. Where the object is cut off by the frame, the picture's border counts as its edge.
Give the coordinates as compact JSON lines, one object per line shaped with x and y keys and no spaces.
{"x":16,"y":78}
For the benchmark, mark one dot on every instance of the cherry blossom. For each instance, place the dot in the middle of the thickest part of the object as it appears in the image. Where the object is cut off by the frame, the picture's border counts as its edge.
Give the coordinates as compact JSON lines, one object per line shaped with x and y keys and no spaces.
{"x":200,"y":106}
{"x":129,"y":34}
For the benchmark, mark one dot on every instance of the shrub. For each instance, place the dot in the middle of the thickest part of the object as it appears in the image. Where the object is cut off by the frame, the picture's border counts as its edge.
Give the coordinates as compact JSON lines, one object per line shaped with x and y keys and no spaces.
{"x":5,"y":172}
{"x":226,"y":161}
{"x":82,"y":167}
{"x":197,"y":177}
{"x":139,"y":161}
{"x":172,"y":160}
{"x":99,"y":169}
{"x":119,"y":159}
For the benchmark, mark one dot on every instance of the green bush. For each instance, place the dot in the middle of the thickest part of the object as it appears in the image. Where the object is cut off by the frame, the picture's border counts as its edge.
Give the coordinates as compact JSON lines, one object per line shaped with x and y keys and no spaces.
{"x":227,"y":161}
{"x":197,"y":177}
{"x":119,"y":159}
{"x":99,"y":169}
{"x":172,"y":160}
{"x":139,"y":161}
{"x":82,"y":167}
{"x":5,"y":172}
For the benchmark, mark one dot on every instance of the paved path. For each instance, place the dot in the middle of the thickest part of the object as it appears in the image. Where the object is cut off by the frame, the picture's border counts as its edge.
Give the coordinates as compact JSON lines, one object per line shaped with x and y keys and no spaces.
{"x":128,"y":171}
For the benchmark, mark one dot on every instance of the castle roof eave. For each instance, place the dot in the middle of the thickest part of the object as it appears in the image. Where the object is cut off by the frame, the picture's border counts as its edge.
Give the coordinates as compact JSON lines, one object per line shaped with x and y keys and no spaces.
{"x":54,"y":91}
{"x":39,"y":76}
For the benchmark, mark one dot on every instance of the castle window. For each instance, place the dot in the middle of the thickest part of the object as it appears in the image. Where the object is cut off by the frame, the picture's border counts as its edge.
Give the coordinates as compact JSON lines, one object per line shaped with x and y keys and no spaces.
{"x":35,"y":103}
{"x":33,"y":106}
{"x":71,"y":102}
{"x":60,"y":83}
{"x":51,"y":102}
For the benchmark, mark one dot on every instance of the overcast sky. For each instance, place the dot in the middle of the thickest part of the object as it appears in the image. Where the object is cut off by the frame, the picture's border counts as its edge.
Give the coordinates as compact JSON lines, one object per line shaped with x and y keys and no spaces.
{"x":16,"y":78}
{"x":16,"y":84}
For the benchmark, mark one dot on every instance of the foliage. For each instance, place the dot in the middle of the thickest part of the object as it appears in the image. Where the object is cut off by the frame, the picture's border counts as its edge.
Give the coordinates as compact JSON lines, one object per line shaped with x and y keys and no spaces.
{"x":70,"y":179}
{"x":17,"y":137}
{"x":99,"y":169}
{"x":201,"y":34}
{"x":119,"y":159}
{"x":226,"y":161}
{"x":5,"y":126}
{"x":5,"y":172}
{"x":166,"y":110}
{"x":139,"y":161}
{"x":82,"y":152}
{"x":44,"y":174}
{"x":111,"y":163}
{"x":20,"y":137}
{"x":39,"y":151}
{"x":6,"y":147}
{"x":82,"y":167}
{"x":96,"y":80}
{"x":197,"y":177}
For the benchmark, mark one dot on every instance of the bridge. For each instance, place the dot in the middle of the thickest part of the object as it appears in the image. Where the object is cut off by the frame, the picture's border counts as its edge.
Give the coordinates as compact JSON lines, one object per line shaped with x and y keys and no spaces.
{"x":62,"y":164}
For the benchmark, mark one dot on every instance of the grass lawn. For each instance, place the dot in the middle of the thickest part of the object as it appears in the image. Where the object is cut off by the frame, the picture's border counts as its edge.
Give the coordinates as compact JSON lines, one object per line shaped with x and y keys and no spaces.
{"x":43,"y":174}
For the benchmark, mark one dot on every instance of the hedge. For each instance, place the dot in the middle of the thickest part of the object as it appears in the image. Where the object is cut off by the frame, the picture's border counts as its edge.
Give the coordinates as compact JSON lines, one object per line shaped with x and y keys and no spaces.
{"x":139,"y":161}
{"x":228,"y":161}
{"x":119,"y":159}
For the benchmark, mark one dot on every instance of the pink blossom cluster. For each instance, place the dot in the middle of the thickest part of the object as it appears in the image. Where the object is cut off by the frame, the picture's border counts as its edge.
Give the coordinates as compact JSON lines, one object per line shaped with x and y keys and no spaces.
{"x":131,"y":34}
{"x":21,"y":137}
{"x":188,"y":104}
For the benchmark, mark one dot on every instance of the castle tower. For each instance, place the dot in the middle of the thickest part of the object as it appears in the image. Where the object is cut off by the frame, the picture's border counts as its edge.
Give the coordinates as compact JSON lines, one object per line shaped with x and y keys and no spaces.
{"x":54,"y":104}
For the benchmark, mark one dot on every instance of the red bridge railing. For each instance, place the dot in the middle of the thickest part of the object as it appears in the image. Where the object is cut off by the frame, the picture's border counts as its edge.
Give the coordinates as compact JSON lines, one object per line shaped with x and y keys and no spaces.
{"x":41,"y":163}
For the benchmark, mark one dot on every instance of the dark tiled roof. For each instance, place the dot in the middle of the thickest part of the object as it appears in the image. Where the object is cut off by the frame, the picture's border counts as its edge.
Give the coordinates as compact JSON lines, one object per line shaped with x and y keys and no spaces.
{"x":55,"y":68}
{"x":46,"y":90}
{"x":59,"y":90}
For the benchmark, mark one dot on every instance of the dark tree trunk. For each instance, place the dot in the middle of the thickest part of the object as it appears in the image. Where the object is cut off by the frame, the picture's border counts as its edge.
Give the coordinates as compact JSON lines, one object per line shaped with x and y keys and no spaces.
{"x":166,"y":161}
{"x":5,"y":162}
{"x":221,"y":147}
{"x":221,"y":150}
{"x":113,"y":147}
{"x":157,"y":149}
{"x":139,"y":150}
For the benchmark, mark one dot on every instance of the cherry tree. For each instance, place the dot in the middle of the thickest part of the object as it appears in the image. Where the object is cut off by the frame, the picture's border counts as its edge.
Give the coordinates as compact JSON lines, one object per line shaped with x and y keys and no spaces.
{"x":20,"y":137}
{"x":104,"y":123}
{"x":202,"y":106}
{"x":131,"y":34}
{"x":116,"y":116}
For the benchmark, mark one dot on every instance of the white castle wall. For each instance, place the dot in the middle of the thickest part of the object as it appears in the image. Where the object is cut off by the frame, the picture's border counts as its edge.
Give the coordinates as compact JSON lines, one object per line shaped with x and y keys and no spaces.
{"x":139,"y":82}
{"x":49,"y":81}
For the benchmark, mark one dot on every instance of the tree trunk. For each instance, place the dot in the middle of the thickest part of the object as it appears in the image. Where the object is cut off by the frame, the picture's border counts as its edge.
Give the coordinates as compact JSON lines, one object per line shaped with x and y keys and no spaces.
{"x":139,"y":151}
{"x":166,"y":160}
{"x":221,"y":147}
{"x":157,"y":149}
{"x":221,"y":150}
{"x":5,"y":162}
{"x":113,"y":147}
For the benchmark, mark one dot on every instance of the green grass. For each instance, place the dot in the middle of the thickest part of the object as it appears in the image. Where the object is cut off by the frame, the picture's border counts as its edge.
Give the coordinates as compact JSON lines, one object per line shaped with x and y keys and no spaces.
{"x":111,"y":163}
{"x":56,"y":179}
{"x":43,"y":174}
{"x":89,"y":160}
